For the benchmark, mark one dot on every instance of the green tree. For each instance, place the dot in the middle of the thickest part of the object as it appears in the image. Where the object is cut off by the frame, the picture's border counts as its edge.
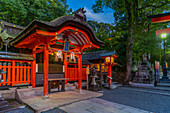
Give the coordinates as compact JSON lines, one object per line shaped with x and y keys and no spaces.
{"x":106,"y":32}
{"x":22,"y":12}
{"x":131,"y":15}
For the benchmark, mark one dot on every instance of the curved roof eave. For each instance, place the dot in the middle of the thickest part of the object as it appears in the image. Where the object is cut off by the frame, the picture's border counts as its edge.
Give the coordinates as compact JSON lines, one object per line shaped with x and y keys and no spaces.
{"x":56,"y":24}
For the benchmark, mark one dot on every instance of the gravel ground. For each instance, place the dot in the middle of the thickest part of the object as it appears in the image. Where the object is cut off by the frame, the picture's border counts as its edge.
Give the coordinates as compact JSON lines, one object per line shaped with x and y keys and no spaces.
{"x":154,"y":102}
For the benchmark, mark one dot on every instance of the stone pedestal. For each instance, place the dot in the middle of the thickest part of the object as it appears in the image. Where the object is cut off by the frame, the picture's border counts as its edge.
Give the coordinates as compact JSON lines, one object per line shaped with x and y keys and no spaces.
{"x":93,"y":86}
{"x":143,"y":75}
{"x":93,"y":80}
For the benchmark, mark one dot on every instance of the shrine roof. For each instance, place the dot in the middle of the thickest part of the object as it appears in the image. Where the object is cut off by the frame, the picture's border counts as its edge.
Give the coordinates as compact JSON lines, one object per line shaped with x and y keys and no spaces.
{"x":16,"y":56}
{"x":97,"y":54}
{"x":9,"y":30}
{"x":56,"y":25}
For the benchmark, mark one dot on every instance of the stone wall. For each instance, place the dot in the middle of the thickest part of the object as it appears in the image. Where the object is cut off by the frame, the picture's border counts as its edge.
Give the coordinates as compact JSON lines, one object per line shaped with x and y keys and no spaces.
{"x":8,"y":94}
{"x":119,"y":77}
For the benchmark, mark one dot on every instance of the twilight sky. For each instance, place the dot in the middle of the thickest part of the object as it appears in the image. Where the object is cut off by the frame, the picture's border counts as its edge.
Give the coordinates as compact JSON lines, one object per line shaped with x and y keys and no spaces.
{"x":106,"y":17}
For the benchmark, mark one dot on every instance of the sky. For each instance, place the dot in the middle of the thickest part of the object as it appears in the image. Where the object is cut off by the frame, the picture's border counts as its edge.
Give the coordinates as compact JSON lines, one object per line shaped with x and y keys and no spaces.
{"x":106,"y":17}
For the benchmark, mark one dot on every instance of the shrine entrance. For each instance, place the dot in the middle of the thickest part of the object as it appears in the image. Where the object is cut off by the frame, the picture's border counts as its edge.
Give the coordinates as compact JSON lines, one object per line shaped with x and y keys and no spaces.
{"x":66,"y":37}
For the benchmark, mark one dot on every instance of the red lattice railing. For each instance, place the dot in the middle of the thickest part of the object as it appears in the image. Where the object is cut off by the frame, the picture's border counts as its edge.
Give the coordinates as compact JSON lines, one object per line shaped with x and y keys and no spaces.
{"x":72,"y":74}
{"x":16,"y":73}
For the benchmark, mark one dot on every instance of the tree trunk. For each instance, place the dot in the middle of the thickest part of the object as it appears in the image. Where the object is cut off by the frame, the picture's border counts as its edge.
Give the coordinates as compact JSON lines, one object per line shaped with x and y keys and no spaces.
{"x":129,"y":46}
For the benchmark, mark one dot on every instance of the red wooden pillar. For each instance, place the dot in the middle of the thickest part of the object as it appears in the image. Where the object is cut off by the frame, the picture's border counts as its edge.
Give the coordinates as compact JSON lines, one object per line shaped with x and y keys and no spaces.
{"x":80,"y":72}
{"x":33,"y":70}
{"x":46,"y":58}
{"x":75,"y":72}
{"x":65,"y":66}
{"x":110,"y":73}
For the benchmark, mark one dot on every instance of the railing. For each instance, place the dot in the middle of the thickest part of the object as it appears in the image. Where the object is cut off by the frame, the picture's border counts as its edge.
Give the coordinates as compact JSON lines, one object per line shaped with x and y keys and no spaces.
{"x":72,"y":74}
{"x":16,"y":73}
{"x":52,"y":68}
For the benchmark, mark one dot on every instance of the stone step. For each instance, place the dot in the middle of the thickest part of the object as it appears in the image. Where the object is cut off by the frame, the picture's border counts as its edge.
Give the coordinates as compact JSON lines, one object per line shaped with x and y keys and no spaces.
{"x":70,"y":87}
{"x":3,"y":103}
{"x":4,"y":107}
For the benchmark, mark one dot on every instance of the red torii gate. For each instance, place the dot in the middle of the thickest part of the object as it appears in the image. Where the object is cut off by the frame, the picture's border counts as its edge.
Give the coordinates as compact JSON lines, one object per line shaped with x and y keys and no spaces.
{"x":161,"y":18}
{"x":49,"y":37}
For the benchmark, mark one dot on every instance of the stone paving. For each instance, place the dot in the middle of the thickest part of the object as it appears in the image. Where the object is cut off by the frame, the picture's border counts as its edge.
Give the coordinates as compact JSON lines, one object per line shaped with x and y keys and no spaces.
{"x":35,"y":100}
{"x":96,"y":105}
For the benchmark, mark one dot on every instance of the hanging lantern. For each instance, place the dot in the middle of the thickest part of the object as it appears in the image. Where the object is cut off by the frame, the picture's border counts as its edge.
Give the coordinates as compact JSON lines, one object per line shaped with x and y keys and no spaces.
{"x":109,"y":60}
{"x":59,"y":56}
{"x":72,"y":57}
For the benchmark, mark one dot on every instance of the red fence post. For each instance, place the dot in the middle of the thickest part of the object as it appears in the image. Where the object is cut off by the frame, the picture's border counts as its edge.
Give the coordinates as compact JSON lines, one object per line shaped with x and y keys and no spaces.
{"x":13,"y":73}
{"x":9,"y":75}
{"x":28,"y":75}
{"x":21,"y":74}
{"x":17,"y":74}
{"x":25,"y":74}
{"x":4,"y":75}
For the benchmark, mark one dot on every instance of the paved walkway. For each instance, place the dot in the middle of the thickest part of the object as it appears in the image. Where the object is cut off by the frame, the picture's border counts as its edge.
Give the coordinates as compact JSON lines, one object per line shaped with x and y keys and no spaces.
{"x":96,"y":105}
{"x":34,"y":99}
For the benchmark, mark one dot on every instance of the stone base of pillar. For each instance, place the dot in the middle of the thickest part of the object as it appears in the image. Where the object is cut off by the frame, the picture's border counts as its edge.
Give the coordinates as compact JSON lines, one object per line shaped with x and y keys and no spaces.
{"x":94,"y":88}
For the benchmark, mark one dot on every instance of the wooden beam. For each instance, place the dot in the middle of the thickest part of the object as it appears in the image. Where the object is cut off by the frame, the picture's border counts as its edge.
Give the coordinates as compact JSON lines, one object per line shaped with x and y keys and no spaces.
{"x":55,"y":49}
{"x":63,"y":29}
{"x":161,"y":31}
{"x":161,"y":19}
{"x":39,"y":51}
{"x":11,"y":60}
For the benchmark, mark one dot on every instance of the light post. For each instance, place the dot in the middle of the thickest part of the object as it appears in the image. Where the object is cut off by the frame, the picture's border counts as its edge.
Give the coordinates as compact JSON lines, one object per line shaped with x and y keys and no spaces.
{"x":165,"y":77}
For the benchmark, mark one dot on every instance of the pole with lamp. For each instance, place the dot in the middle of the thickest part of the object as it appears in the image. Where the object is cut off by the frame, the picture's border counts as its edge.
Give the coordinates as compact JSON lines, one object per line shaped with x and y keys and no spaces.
{"x":165,"y":77}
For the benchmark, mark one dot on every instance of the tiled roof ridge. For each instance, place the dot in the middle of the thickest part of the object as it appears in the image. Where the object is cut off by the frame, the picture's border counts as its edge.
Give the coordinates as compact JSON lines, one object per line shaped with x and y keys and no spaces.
{"x":94,"y":52}
{"x":12,"y":25}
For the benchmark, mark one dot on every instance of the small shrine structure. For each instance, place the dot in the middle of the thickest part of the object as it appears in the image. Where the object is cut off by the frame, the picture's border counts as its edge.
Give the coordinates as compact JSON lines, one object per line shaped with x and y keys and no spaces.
{"x":104,"y":60}
{"x":69,"y":35}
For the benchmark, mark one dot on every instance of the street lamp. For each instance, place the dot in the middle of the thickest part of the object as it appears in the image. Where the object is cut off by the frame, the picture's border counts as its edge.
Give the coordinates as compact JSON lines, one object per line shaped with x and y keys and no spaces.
{"x":165,"y":77}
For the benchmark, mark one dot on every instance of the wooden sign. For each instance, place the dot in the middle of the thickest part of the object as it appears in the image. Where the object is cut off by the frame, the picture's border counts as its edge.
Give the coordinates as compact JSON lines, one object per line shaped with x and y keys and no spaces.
{"x":66,"y":45}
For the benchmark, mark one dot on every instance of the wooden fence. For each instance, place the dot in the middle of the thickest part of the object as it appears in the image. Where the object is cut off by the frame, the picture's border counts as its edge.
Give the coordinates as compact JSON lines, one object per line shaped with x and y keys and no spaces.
{"x":72,"y":74}
{"x":16,"y":72}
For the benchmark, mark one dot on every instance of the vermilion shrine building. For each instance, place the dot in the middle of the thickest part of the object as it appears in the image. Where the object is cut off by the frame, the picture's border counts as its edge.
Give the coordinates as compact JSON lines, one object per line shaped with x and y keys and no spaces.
{"x":63,"y":39}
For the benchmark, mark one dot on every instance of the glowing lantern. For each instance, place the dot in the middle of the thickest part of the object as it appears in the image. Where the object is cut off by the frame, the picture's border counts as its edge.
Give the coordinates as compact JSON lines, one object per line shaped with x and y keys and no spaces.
{"x":72,"y":57}
{"x":59,"y":56}
{"x":109,"y":60}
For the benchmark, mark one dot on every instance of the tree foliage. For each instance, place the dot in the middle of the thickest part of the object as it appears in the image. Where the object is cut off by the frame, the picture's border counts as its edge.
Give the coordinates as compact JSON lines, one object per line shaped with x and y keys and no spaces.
{"x":131,"y":22}
{"x":106,"y":32}
{"x":22,"y":12}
